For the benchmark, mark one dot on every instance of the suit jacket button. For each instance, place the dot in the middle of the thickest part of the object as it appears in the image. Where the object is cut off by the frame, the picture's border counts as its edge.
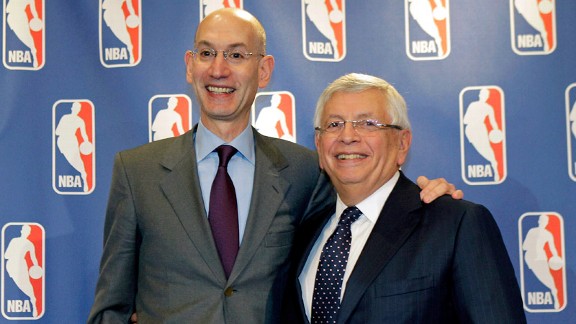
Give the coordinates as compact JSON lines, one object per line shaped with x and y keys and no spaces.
{"x":229,"y":292}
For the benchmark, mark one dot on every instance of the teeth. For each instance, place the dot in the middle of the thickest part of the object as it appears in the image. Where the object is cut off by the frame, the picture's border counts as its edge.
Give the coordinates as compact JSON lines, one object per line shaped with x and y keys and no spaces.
{"x":220,"y":90}
{"x":350,"y":156}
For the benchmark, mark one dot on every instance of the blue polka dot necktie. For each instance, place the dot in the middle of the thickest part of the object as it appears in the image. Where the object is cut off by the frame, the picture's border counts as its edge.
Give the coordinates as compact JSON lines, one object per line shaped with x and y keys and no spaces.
{"x":330,"y":274}
{"x":223,"y":211}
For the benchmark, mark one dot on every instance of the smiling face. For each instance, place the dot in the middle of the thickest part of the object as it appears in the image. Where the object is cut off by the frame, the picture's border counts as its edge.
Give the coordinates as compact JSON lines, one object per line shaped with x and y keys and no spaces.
{"x":226,"y":91}
{"x":359,"y":165}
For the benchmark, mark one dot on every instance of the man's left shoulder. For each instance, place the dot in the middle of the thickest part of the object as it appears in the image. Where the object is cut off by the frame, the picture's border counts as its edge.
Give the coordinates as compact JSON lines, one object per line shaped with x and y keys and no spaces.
{"x":448,"y":205}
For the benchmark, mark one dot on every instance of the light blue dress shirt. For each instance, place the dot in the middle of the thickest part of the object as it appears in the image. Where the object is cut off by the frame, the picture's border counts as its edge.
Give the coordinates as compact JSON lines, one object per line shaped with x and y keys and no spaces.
{"x":240,"y":168}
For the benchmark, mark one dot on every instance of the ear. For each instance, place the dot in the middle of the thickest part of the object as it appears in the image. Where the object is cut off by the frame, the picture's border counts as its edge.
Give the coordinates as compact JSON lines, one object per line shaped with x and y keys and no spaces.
{"x":317,"y":143}
{"x":188,"y":57}
{"x":405,"y":140}
{"x":265,"y":68}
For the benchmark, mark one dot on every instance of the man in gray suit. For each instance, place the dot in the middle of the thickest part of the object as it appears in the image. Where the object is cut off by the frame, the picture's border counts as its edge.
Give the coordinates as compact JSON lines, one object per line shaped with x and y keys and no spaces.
{"x":160,"y":259}
{"x":388,"y":257}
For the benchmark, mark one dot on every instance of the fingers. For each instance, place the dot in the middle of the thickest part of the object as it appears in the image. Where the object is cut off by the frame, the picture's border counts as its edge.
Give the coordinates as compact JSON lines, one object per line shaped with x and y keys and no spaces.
{"x":458,"y":194}
{"x":432,"y":189}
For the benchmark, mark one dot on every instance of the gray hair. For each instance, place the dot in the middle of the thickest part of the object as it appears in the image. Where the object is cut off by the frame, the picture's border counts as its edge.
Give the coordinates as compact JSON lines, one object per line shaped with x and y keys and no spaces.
{"x":356,"y":82}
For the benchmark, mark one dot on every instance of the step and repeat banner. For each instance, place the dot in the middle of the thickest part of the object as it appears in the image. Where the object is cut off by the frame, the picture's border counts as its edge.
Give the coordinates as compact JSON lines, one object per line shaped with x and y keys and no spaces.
{"x":490,"y":86}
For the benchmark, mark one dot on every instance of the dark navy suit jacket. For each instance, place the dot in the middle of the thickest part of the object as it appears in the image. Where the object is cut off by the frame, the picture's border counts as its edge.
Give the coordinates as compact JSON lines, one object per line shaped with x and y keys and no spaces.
{"x":443,"y":262}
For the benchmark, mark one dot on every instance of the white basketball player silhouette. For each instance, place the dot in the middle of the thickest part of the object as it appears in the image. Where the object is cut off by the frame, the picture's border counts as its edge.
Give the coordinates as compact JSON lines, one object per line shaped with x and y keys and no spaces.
{"x":530,"y":10}
{"x":537,"y":260}
{"x":476,"y":131}
{"x":67,"y":142}
{"x":317,"y":12}
{"x":118,"y":24}
{"x":17,"y":19}
{"x":166,"y":119}
{"x":213,"y":5}
{"x":421,"y":11}
{"x":270,"y":116}
{"x":17,"y":267}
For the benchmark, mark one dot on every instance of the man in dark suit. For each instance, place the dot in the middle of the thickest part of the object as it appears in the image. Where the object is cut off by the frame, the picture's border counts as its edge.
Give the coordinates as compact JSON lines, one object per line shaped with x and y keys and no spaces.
{"x":379,"y":255}
{"x":161,"y":260}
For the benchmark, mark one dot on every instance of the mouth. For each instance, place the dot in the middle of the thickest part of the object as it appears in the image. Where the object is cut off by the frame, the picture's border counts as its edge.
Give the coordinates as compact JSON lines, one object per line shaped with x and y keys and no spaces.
{"x":350,"y":156}
{"x":219,"y":90}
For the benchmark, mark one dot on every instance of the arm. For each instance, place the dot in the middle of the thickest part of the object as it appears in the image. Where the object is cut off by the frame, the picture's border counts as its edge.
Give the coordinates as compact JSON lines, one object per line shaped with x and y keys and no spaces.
{"x":116,"y":287}
{"x":485,"y":286}
{"x":130,"y":7}
{"x":432,"y":189}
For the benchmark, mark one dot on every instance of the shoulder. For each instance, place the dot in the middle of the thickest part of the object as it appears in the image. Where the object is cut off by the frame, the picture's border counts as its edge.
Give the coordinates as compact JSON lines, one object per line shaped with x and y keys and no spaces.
{"x":170,"y":149}
{"x":447,"y":204}
{"x":465,"y":215}
{"x":282,"y":150}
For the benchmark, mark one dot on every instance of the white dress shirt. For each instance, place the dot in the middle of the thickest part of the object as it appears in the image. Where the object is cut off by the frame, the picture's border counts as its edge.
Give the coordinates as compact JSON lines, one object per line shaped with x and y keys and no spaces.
{"x":361,"y":229}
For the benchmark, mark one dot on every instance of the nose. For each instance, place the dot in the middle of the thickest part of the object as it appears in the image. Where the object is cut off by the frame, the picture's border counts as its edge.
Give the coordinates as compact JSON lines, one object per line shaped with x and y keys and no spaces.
{"x":349,"y":134}
{"x":219,"y":67}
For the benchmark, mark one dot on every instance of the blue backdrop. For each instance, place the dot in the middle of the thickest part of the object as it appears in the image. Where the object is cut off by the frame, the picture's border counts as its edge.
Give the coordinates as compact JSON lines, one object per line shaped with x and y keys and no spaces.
{"x":490,"y":86}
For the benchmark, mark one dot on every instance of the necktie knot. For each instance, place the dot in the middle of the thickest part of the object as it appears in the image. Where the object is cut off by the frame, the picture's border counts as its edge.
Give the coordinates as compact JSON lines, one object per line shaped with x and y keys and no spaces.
{"x":225,"y":153}
{"x":349,"y":215}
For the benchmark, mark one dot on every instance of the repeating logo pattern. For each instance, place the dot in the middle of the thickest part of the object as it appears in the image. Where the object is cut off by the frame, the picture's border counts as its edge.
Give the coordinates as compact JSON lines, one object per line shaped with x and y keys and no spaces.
{"x":24,"y":34}
{"x":120,"y":33}
{"x":533,"y":25}
{"x":482,"y":135}
{"x":23,"y":279}
{"x":427,"y":24}
{"x":571,"y":129}
{"x":169,"y":116}
{"x":324,"y":30}
{"x":73,"y":147}
{"x":274,"y":115}
{"x":208,"y":6}
{"x":542,"y":268}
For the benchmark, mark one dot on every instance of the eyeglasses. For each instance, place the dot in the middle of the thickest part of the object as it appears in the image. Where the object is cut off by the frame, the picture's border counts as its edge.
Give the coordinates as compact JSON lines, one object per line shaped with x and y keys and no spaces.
{"x":362,"y":127}
{"x":231,"y":56}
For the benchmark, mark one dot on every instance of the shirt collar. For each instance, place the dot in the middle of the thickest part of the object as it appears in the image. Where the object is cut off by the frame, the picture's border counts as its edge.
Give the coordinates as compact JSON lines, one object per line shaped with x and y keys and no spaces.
{"x":372,"y":206}
{"x":206,"y":142}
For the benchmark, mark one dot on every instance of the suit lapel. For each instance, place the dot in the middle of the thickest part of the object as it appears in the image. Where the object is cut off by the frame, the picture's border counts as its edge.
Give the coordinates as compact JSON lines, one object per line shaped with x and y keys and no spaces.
{"x":182,"y":189}
{"x":306,"y":239}
{"x":267,"y":194}
{"x":396,"y":222}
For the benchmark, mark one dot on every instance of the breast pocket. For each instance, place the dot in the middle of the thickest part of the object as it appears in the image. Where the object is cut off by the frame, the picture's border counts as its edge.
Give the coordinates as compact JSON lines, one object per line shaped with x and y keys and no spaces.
{"x":406,"y":286}
{"x":279,"y":239}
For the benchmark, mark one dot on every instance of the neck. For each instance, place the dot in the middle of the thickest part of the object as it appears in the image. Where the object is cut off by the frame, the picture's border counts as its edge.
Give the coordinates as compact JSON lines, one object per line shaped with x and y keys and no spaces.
{"x":352,"y":195}
{"x":226,"y":130}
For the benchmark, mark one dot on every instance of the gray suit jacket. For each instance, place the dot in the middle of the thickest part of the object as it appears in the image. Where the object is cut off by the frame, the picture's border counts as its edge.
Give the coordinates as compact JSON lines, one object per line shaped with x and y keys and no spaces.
{"x":443,"y":262}
{"x":159,"y":256}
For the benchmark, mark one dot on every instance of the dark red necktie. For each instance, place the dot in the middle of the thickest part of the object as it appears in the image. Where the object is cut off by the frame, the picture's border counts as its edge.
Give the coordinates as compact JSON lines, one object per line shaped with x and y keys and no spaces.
{"x":223,"y":212}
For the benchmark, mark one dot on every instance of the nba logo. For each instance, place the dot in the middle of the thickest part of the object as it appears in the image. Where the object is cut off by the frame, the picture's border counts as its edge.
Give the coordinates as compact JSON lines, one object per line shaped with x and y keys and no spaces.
{"x":24,"y":37}
{"x":120,"y":33}
{"x":73,"y":154}
{"x":571,"y":129}
{"x":208,"y":6}
{"x":23,"y":279}
{"x":482,"y":135}
{"x":324,"y":30}
{"x":533,"y":26}
{"x":542,"y":268}
{"x":427,"y":29}
{"x":169,"y":116}
{"x":273,"y":114}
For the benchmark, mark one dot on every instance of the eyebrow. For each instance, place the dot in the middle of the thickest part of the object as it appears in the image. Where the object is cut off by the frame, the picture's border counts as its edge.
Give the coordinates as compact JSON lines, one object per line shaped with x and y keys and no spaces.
{"x":358,"y":117}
